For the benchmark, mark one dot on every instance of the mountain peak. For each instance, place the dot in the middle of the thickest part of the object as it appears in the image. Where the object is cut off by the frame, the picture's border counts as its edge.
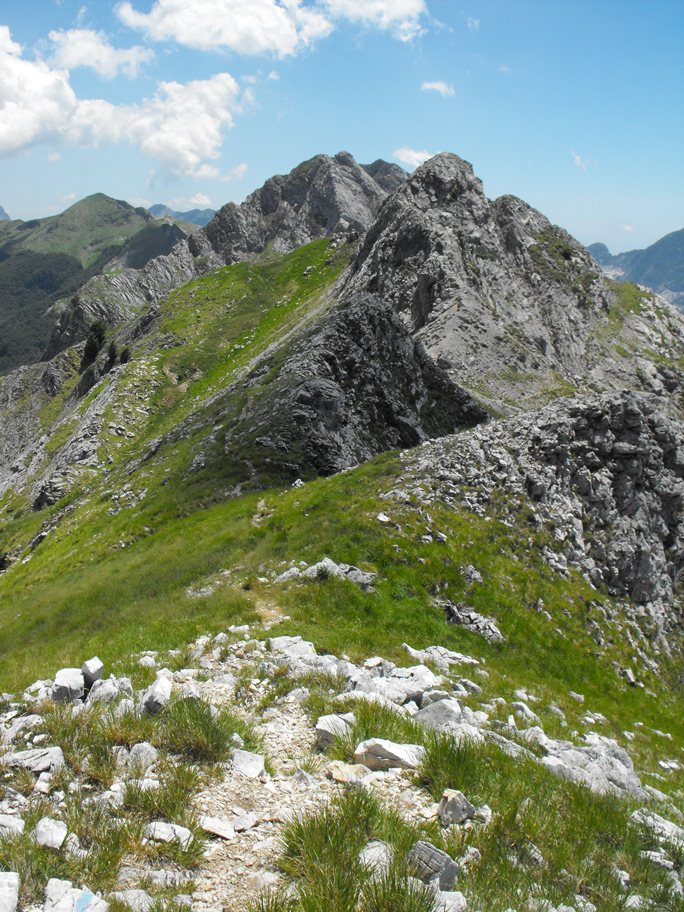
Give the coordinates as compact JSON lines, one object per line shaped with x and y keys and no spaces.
{"x":317,"y":198}
{"x":4,"y":217}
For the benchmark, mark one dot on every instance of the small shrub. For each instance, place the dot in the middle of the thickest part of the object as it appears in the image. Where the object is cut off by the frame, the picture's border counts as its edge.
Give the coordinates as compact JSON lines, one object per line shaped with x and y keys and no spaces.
{"x":94,"y":342}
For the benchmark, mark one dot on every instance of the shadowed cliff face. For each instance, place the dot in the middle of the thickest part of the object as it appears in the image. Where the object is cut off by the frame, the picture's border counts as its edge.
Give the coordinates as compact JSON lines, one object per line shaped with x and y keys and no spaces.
{"x":318,"y":198}
{"x":353,"y":386}
{"x":510,"y":303}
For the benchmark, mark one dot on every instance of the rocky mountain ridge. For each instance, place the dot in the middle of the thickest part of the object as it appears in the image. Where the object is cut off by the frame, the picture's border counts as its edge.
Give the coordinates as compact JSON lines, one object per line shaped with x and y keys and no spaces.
{"x":511,"y":305}
{"x":504,"y":302}
{"x":659,"y":267}
{"x":43,"y":261}
{"x":193,"y":216}
{"x":4,"y":217}
{"x":316,"y":199}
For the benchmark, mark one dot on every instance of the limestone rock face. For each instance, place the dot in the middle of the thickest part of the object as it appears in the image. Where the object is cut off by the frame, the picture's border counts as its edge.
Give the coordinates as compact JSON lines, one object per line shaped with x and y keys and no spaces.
{"x":355,"y":385}
{"x":604,"y":473}
{"x":318,"y":198}
{"x":510,"y":303}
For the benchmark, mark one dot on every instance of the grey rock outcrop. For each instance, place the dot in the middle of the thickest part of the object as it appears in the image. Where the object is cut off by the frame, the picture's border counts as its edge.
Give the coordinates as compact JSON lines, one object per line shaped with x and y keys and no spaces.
{"x":511,"y":304}
{"x":604,"y":474}
{"x":317,"y":199}
{"x":353,"y":386}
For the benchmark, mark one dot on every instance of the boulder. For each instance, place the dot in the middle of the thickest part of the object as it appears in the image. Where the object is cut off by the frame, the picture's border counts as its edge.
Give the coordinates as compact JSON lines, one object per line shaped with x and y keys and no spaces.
{"x":454,"y":808}
{"x":142,"y":756}
{"x":431,"y":865}
{"x":380,"y":754}
{"x":247,"y":764}
{"x":346,"y":773}
{"x":11,"y":825}
{"x":157,"y":695}
{"x":216,"y":826}
{"x":62,"y":896}
{"x":328,"y":728}
{"x":92,"y":670}
{"x":103,"y":691}
{"x":160,"y":831}
{"x":441,"y":715}
{"x":50,"y":833}
{"x":376,"y":856}
{"x":9,"y":891}
{"x":68,"y":686}
{"x":36,"y":760}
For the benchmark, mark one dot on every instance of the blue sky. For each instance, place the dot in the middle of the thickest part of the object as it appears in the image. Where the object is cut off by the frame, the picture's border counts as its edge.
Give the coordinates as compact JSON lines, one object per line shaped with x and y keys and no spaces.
{"x":573,"y":105}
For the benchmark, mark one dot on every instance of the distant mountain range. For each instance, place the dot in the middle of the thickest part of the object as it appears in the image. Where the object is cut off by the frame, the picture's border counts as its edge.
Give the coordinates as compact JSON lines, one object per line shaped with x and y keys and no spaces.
{"x":660,"y":266}
{"x":4,"y":217}
{"x":193,"y":216}
{"x":43,"y":262}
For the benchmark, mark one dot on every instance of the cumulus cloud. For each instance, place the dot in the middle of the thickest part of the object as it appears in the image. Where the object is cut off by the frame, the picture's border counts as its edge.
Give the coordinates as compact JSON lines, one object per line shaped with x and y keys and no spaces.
{"x":181,"y":125}
{"x":183,"y":203}
{"x":445,"y":89}
{"x":401,"y":17}
{"x":473,"y":24}
{"x":412,"y":157}
{"x":88,"y":48}
{"x":280,"y":27}
{"x":630,"y":229}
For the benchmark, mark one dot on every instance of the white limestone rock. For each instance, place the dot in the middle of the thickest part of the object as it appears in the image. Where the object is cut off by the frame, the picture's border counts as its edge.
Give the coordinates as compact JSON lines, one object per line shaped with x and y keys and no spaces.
{"x":380,"y":754}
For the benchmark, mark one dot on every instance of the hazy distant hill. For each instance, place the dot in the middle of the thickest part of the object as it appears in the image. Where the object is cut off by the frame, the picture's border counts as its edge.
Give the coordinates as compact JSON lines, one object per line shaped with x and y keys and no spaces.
{"x":44,"y":260}
{"x":4,"y":217}
{"x":193,"y":216}
{"x":660,"y":266}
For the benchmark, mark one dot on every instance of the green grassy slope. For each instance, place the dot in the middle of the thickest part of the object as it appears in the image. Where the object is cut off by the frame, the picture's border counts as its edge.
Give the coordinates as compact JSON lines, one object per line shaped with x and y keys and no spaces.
{"x":45,"y":260}
{"x":85,"y":230}
{"x":162,"y":546}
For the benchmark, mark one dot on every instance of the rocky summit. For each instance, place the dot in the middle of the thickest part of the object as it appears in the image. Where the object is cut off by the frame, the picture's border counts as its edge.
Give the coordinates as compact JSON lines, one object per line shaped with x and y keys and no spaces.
{"x":341,"y":554}
{"x":510,"y":304}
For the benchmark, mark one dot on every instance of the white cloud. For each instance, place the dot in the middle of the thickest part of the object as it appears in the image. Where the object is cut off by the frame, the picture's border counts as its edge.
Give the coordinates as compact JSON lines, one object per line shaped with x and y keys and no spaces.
{"x":54,"y":157}
{"x":445,"y":89}
{"x":88,"y":48}
{"x":181,"y":125}
{"x":579,"y":161}
{"x":401,"y":17}
{"x":473,"y":24}
{"x":274,"y":76}
{"x":506,"y":70}
{"x":183,"y":203}
{"x":279,"y":27}
{"x":237,"y":173}
{"x":630,"y":229}
{"x":412,"y":157}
